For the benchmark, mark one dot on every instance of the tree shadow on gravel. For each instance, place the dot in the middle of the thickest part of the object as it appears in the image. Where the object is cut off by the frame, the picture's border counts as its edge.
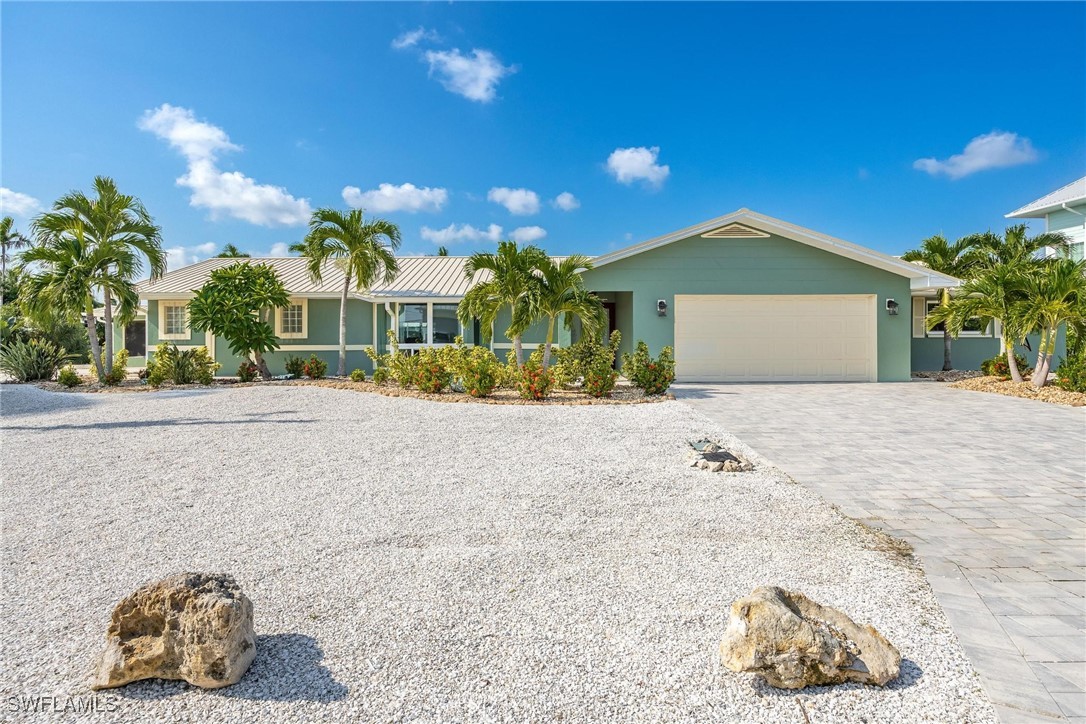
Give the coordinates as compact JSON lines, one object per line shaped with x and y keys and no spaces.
{"x":169,"y":422}
{"x":286,"y":668}
{"x":910,"y":674}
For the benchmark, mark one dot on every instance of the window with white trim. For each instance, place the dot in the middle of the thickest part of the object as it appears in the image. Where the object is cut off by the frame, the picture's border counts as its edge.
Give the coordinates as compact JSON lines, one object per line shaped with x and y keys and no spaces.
{"x":971,"y":328}
{"x":290,"y":321}
{"x":173,"y":320}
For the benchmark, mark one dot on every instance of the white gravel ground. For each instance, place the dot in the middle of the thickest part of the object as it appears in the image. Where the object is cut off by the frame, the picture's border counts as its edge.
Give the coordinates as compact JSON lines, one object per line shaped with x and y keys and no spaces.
{"x":417,"y":560}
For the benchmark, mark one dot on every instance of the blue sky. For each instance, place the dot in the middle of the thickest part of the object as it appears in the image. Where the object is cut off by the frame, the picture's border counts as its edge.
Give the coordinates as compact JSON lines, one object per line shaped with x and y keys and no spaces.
{"x":877,"y":123}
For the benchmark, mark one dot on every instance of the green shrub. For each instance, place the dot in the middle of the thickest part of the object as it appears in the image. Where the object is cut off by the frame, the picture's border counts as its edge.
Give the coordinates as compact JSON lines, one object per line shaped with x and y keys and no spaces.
{"x":34,"y":359}
{"x":532,"y":381}
{"x":474,"y":370}
{"x":315,"y":368}
{"x":295,"y":366}
{"x":652,"y":376}
{"x":431,"y":374}
{"x":69,"y":377}
{"x":998,"y":367}
{"x":119,"y":372}
{"x":380,"y":375}
{"x":1071,"y":374}
{"x":182,"y":367}
{"x":247,"y":371}
{"x":479,"y":372}
{"x":401,"y":369}
{"x":591,"y":362}
{"x":358,"y":375}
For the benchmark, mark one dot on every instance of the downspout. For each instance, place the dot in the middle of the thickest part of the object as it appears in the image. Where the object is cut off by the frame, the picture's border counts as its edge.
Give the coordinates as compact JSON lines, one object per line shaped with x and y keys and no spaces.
{"x":391,"y":317}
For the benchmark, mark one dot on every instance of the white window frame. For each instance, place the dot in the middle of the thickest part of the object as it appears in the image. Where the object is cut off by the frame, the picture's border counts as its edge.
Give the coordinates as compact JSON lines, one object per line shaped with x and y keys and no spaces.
{"x":162,"y":333}
{"x":930,"y":304}
{"x":299,"y":302}
{"x":415,"y":346}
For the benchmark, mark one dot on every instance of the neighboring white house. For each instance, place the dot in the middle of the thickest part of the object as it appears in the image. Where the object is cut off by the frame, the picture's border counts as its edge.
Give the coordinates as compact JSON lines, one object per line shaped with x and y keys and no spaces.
{"x":1063,"y":210}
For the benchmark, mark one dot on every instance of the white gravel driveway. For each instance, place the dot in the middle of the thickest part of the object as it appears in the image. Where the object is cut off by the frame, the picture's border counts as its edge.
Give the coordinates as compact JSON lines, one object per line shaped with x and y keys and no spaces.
{"x":417,"y":560}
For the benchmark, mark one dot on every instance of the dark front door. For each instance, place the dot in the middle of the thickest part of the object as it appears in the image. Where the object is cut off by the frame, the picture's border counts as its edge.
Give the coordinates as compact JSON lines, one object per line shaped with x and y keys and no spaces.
{"x":612,"y":325}
{"x":135,"y":339}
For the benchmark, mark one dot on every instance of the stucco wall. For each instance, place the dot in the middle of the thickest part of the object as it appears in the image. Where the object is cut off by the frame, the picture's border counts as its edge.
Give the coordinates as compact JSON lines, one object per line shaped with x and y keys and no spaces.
{"x":773,"y":265}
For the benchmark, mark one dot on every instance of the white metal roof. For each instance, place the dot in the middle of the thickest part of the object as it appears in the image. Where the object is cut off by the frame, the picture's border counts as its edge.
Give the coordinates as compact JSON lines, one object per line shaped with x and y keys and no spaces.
{"x":920,"y":277}
{"x":1071,"y":193}
{"x":419,"y":277}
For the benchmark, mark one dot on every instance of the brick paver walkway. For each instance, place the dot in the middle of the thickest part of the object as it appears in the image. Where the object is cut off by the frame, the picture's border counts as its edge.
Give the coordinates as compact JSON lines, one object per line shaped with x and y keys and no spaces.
{"x":990,"y":491}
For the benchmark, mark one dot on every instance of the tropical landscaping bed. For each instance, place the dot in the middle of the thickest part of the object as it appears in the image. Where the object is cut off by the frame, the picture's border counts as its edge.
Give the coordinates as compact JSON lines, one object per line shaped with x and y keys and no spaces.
{"x":623,"y":394}
{"x":1004,"y":386}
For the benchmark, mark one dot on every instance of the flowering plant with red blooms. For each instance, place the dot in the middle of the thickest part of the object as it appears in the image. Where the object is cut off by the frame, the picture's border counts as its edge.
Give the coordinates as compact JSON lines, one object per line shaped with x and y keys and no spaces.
{"x":532,"y":381}
{"x":652,"y":376}
{"x":315,"y":368}
{"x":431,"y":375}
{"x":1071,"y":374}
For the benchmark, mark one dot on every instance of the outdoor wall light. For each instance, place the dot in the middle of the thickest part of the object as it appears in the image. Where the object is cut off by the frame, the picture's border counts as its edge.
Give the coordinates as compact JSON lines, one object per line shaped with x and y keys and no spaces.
{"x":661,"y":307}
{"x":891,"y":307}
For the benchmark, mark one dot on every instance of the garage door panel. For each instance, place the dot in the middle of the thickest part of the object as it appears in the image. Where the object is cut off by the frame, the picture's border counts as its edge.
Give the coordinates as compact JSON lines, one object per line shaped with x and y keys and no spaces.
{"x":775,"y":337}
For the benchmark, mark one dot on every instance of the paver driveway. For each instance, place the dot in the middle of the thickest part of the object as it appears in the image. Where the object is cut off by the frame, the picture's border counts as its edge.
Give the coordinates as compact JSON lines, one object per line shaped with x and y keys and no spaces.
{"x":990,"y":490}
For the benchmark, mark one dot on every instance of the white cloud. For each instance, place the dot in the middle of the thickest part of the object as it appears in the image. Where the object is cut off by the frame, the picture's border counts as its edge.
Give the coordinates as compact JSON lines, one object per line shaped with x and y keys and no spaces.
{"x":998,"y":149}
{"x":566,"y":201}
{"x":179,"y":256}
{"x":528,"y":234}
{"x":280,"y":248}
{"x":628,"y":165}
{"x":413,"y":37}
{"x":405,"y":197}
{"x":13,"y":203}
{"x":474,"y":76}
{"x":224,"y":193}
{"x":521,"y":202}
{"x":453,"y":234}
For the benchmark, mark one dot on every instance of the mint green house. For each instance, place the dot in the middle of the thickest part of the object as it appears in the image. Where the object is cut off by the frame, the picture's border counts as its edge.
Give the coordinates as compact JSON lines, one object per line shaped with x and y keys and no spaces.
{"x":742,"y":297}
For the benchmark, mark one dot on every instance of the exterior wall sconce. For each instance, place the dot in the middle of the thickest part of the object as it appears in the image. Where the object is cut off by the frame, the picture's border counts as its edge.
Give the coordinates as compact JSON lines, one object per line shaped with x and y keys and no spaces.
{"x":661,"y":307}
{"x":891,"y":307}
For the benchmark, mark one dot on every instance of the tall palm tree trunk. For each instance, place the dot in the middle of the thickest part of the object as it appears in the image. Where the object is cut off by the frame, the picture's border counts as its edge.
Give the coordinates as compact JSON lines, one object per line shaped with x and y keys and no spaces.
{"x":107,"y":360}
{"x":343,"y":326}
{"x":947,"y":366}
{"x":1038,"y":366}
{"x":547,"y":347}
{"x":92,"y":336}
{"x":518,"y":349}
{"x":1012,"y":363}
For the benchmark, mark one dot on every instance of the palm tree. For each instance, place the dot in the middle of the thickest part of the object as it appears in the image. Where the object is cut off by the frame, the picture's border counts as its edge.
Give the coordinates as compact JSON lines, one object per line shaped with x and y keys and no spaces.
{"x":1015,"y":246}
{"x":232,"y":252}
{"x":561,"y":292}
{"x":511,"y":282}
{"x":10,"y":239}
{"x":442,"y":251}
{"x":71,"y":268}
{"x":363,"y":250}
{"x":993,"y":293}
{"x":114,"y":229}
{"x":957,"y":259}
{"x":1054,"y":294}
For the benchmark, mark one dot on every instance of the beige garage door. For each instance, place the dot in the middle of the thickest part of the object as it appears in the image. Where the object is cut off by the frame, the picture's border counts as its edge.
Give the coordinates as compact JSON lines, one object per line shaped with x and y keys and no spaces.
{"x":764,"y":338}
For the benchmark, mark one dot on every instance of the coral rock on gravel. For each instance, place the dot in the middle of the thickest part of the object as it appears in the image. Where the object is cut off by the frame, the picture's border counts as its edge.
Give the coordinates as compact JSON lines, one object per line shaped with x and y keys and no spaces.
{"x":793,"y":642}
{"x":192,"y":626}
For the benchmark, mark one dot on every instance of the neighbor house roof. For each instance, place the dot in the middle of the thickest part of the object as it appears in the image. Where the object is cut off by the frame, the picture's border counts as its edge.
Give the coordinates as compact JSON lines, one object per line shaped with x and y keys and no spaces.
{"x":419,"y":277}
{"x":920,"y":277}
{"x":1071,"y":193}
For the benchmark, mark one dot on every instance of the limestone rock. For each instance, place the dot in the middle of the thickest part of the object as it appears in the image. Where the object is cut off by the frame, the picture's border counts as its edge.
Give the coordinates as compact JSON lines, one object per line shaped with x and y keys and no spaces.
{"x":192,"y":626}
{"x":793,"y":642}
{"x":716,"y":467}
